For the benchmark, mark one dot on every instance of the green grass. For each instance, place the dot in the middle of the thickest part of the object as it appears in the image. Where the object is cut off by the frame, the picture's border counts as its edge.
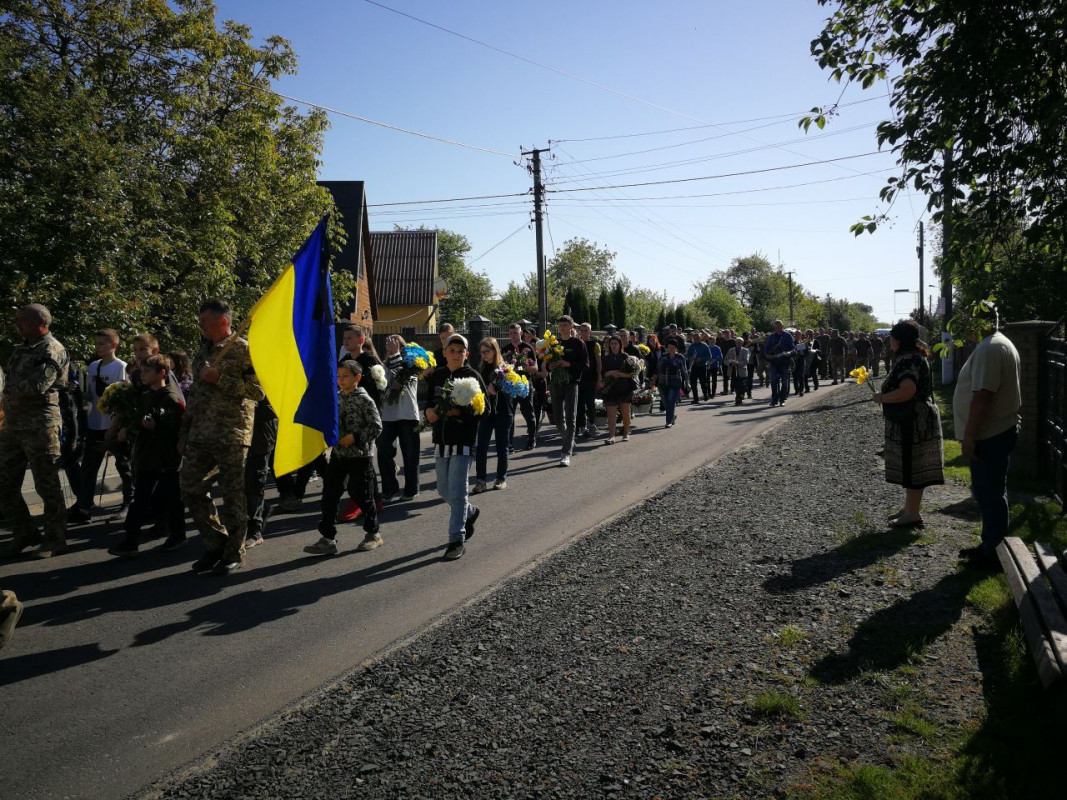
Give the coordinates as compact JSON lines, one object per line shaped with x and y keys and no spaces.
{"x":791,"y":636}
{"x":775,"y":704}
{"x":957,"y":466}
{"x":990,"y":596}
{"x":910,"y":719}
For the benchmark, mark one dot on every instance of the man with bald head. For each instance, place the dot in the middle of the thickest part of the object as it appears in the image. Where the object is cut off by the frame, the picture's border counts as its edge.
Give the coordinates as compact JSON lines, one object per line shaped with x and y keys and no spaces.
{"x":36,"y":374}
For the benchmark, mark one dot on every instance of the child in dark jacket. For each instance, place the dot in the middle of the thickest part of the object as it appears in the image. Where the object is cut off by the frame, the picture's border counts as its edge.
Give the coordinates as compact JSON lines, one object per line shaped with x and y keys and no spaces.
{"x":455,"y":431}
{"x":360,"y":425}
{"x":156,"y":488}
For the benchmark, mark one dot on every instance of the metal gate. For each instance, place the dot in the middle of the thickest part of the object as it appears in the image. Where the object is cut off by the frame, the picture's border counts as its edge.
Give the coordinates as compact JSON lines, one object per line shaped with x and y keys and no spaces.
{"x":1053,"y":434}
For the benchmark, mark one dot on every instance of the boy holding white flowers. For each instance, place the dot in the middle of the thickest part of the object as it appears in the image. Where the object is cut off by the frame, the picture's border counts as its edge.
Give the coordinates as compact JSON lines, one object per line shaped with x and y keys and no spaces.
{"x":455,"y":400}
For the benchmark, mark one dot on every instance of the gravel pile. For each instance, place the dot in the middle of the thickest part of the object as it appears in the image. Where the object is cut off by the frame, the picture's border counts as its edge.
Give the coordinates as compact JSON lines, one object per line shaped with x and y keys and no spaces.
{"x":731,"y":637}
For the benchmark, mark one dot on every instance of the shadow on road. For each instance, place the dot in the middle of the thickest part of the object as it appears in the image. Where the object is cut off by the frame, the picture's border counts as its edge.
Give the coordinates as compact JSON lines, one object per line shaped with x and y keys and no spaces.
{"x":20,"y":668}
{"x":239,"y":613}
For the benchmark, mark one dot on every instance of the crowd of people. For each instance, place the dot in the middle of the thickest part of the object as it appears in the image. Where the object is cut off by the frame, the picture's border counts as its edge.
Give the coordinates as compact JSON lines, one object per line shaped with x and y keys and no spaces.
{"x":177,"y":426}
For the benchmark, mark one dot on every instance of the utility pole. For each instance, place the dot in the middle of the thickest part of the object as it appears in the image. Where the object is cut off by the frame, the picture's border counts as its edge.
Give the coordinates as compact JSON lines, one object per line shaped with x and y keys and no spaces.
{"x":542,"y":268}
{"x":948,"y":268}
{"x":922,"y":278}
{"x":792,"y":320}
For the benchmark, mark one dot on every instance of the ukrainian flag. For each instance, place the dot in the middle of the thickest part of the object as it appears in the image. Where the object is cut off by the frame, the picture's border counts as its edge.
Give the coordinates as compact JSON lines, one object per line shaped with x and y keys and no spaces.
{"x":292,"y":346}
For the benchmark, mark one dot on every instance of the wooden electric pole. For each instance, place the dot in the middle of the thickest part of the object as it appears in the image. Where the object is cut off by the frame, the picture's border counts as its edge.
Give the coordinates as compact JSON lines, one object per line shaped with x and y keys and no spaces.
{"x":542,"y":271}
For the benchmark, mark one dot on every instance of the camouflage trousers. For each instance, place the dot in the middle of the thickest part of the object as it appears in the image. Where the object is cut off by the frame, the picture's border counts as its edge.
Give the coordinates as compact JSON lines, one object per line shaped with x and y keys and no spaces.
{"x":38,"y":449}
{"x":203,"y":463}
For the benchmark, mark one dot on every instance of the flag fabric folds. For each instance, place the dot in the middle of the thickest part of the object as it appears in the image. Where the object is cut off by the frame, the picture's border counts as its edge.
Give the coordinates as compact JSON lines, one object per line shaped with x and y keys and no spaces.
{"x":291,"y":341}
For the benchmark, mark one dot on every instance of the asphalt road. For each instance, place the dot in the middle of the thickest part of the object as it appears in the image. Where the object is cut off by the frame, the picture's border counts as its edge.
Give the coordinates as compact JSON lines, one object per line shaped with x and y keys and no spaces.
{"x":122,"y":671}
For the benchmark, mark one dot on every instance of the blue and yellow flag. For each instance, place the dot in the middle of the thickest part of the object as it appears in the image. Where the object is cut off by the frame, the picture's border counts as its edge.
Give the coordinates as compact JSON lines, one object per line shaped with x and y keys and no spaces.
{"x":292,"y":347}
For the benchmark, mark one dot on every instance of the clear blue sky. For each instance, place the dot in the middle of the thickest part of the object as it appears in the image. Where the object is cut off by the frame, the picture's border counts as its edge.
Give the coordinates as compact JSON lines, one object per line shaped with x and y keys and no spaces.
{"x":708,"y":65}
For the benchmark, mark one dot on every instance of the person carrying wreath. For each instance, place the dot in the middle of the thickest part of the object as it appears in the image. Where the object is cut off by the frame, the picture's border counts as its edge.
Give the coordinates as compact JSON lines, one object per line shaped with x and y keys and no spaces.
{"x":914,"y":455}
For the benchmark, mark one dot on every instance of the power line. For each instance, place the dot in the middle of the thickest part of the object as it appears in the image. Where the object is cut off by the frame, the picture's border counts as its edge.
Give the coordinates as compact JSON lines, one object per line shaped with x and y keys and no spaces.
{"x":791,"y":115}
{"x":715,"y":157}
{"x":538,"y":64}
{"x":237,"y":82}
{"x":495,"y":246}
{"x":449,"y":200}
{"x":725,"y":174}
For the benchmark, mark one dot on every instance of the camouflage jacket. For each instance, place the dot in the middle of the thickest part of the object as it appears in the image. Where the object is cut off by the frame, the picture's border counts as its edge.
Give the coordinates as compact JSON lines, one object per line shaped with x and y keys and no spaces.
{"x":223,"y":411}
{"x":35,"y":374}
{"x":357,"y":416}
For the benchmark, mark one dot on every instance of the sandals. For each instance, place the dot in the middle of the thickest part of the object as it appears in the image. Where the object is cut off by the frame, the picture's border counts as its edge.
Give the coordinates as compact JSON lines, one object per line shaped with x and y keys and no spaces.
{"x":904,"y":521}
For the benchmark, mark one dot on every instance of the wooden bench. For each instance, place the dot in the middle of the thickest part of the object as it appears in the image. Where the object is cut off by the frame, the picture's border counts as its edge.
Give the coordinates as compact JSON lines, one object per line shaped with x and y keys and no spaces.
{"x":1038,"y":582}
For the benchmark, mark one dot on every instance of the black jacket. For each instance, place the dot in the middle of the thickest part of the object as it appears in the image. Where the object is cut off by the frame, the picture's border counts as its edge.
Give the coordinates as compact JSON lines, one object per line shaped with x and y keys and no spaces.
{"x":461,"y":430}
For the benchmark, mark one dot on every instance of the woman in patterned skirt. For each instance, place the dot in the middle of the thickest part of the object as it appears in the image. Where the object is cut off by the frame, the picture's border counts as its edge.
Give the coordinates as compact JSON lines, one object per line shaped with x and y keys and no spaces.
{"x":914,"y":456}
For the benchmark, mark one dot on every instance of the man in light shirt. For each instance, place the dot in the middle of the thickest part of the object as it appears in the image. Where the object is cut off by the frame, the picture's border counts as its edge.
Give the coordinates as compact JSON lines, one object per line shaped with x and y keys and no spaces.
{"x":986,"y":406}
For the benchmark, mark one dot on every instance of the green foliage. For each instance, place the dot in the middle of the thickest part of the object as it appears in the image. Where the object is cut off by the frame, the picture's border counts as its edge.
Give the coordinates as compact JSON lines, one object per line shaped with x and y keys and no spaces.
{"x":144,"y":168}
{"x":977,"y":99}
{"x":791,"y":635}
{"x":515,"y":303}
{"x":581,"y":264}
{"x":719,"y":307}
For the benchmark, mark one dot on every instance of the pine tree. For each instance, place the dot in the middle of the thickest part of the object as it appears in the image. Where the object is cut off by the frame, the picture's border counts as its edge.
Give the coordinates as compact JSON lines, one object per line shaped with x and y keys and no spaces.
{"x":618,"y":305}
{"x":603,"y":308}
{"x":661,"y":319}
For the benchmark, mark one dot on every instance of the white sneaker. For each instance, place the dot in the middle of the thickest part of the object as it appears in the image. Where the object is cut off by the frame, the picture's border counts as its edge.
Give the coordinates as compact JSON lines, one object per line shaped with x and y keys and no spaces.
{"x":565,"y":461}
{"x":323,"y":547}
{"x":626,"y":437}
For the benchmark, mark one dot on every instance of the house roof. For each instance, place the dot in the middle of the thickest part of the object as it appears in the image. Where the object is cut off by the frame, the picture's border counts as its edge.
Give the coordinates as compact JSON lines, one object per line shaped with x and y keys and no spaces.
{"x":350,"y":198}
{"x":405,"y":267}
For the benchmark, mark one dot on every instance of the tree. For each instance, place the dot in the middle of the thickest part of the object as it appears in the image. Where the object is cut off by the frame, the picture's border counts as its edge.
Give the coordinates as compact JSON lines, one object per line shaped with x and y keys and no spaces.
{"x":618,"y":305}
{"x":515,"y":303}
{"x":977,"y":92}
{"x":603,"y":308}
{"x":720,"y":306}
{"x":594,"y":317}
{"x":581,"y":264}
{"x":761,"y":289}
{"x":661,"y":319}
{"x":145,"y":166}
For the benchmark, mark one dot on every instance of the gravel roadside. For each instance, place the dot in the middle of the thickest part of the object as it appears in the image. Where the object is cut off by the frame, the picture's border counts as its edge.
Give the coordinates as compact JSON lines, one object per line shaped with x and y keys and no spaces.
{"x":732,"y":637}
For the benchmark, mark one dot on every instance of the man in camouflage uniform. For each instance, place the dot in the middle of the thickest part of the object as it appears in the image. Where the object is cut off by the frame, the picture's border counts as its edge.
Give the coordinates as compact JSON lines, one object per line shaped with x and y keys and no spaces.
{"x":30,"y":434}
{"x":216,"y":432}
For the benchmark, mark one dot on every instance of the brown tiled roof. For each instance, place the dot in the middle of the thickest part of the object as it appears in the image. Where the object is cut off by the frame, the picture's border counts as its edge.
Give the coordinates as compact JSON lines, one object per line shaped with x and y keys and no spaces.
{"x":405,"y":266}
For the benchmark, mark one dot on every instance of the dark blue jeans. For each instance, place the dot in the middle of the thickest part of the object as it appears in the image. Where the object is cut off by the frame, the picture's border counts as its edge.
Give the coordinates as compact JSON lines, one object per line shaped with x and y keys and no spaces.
{"x":779,"y":369}
{"x":402,"y":430}
{"x":670,"y":400}
{"x":498,"y":425}
{"x":989,"y":485}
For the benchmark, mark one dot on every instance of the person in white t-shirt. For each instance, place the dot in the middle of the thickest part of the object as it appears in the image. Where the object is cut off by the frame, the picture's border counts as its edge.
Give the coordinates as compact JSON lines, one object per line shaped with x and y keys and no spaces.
{"x":985,"y":406}
{"x":103,"y":372}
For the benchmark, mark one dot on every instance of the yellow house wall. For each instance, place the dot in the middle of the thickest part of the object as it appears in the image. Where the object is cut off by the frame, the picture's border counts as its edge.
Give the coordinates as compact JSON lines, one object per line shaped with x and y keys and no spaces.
{"x":405,"y":317}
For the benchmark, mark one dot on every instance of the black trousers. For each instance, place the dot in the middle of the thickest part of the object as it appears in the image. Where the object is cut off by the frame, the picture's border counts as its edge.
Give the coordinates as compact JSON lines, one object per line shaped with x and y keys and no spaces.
{"x":713,"y":379}
{"x":698,"y":378}
{"x":92,"y":458}
{"x":586,"y":405}
{"x":358,"y":473}
{"x":158,"y":495}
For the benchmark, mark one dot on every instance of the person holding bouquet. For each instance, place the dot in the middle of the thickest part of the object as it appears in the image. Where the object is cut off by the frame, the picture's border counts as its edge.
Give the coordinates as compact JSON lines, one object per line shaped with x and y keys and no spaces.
{"x":618,"y":387}
{"x":521,"y":356}
{"x":498,"y":418}
{"x":400,"y":420}
{"x":455,"y":400}
{"x":565,"y":359}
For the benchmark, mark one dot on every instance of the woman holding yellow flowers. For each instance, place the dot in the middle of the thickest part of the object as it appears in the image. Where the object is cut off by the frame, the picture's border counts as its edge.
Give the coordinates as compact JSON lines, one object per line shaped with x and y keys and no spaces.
{"x":914,"y":456}
{"x":496,"y":421}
